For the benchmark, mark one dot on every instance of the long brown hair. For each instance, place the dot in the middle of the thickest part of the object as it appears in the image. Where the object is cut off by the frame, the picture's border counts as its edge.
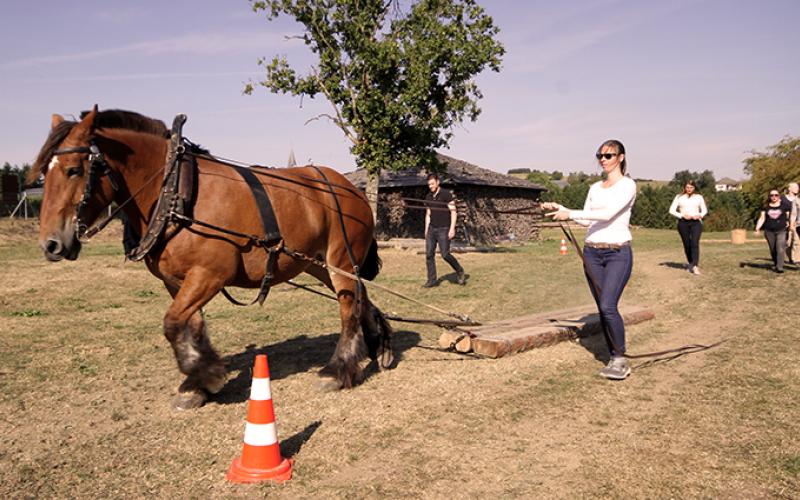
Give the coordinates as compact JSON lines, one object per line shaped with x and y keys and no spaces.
{"x":690,"y":182}
{"x":620,"y":150}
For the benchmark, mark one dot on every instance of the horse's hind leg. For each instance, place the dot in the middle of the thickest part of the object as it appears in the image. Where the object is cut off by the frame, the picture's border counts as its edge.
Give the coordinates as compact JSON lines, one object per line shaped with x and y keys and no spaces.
{"x":377,"y":334}
{"x":185,"y":329}
{"x":343,"y":367}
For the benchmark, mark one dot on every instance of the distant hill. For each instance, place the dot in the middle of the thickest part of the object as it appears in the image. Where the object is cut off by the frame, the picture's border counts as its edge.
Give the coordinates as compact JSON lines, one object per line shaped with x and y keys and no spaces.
{"x":652,"y":183}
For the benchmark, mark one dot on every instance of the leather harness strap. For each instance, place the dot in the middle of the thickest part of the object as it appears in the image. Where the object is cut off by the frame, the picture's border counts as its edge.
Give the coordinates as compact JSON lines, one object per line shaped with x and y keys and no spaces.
{"x":265,"y":211}
{"x":272,"y":233}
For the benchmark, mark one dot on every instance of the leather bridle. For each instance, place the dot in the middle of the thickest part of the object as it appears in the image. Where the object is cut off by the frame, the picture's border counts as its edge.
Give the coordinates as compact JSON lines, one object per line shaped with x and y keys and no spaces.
{"x":98,"y":168}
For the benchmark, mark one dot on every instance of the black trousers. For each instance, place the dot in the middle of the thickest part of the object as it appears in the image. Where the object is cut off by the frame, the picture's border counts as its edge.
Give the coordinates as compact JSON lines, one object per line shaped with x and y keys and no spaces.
{"x":690,"y":231}
{"x":434,"y":236}
{"x":777,"y":246}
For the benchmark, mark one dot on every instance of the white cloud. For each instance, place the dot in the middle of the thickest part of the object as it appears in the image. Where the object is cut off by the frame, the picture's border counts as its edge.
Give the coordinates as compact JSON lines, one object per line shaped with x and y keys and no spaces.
{"x":196,"y":44}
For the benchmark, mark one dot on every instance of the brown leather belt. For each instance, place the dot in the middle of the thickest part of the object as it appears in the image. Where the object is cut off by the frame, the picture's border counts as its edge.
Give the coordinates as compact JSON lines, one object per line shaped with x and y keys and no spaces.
{"x":607,"y":246}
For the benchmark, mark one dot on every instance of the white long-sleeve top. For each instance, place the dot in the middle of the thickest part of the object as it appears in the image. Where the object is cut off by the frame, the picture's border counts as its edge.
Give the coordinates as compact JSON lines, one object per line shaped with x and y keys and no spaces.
{"x":688,"y":205}
{"x":607,"y":212}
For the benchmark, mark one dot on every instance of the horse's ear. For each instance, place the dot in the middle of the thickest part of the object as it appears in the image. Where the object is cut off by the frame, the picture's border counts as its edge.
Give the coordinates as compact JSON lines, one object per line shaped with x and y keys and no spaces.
{"x":55,"y":120}
{"x":87,"y":122}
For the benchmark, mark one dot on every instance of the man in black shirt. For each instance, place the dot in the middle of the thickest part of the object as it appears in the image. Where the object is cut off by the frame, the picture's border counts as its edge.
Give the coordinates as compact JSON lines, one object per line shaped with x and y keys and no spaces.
{"x":440,"y":228}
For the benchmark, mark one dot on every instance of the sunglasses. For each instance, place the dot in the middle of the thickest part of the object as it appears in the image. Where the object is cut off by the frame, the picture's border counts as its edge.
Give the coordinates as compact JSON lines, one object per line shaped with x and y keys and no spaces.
{"x":774,"y":194}
{"x":607,"y":156}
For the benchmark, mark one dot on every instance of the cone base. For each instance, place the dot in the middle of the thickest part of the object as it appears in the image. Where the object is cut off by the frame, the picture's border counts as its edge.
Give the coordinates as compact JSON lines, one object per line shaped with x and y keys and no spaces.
{"x":238,"y":473}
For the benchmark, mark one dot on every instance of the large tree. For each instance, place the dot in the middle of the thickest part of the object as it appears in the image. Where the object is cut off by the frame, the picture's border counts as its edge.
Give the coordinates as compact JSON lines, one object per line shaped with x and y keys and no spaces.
{"x":397,"y":82}
{"x":772,"y":169}
{"x":704,"y":180}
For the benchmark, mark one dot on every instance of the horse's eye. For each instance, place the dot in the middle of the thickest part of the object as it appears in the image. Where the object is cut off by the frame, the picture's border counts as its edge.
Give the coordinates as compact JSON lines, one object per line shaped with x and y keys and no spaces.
{"x":74,"y":171}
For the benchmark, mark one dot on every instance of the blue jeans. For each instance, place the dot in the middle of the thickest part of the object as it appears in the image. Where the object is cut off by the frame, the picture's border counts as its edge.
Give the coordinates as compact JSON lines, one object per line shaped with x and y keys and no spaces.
{"x":608,"y":271}
{"x":434,"y":236}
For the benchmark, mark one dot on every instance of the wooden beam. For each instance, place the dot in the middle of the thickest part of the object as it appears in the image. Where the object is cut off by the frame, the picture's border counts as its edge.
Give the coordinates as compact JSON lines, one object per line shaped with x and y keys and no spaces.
{"x":536,"y":330}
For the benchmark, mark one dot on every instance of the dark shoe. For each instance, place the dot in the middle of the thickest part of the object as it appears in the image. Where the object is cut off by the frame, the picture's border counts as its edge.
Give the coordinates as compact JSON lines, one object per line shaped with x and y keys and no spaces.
{"x":430,"y":284}
{"x":461,"y":278}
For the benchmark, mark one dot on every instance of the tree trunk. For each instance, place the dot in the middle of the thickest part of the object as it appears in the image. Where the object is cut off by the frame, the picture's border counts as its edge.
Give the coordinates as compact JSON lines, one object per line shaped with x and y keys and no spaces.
{"x":373,"y":179}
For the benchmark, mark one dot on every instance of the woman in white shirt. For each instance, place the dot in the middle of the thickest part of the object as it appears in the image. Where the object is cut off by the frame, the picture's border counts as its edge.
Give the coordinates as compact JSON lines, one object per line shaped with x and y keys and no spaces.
{"x":608,"y":258}
{"x":690,"y":208}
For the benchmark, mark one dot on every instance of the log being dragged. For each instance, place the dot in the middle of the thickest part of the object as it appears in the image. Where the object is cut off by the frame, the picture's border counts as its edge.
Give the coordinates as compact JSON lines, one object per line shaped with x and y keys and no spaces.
{"x":510,"y":336}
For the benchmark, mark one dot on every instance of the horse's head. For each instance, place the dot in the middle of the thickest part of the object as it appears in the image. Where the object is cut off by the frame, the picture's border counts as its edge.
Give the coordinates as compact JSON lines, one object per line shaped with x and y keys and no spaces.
{"x":74,"y":192}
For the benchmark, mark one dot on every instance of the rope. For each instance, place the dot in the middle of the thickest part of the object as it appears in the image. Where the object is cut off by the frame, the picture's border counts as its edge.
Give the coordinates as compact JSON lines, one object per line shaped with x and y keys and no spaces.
{"x":686,"y":349}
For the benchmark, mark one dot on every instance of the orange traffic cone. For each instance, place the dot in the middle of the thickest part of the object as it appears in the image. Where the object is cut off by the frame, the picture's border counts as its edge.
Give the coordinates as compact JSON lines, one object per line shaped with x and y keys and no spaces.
{"x":261,"y":455}
{"x":563,"y":249}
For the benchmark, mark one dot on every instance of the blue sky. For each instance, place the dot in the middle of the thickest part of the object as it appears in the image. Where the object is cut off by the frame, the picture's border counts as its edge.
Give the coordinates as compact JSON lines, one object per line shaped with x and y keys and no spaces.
{"x":685,"y":84}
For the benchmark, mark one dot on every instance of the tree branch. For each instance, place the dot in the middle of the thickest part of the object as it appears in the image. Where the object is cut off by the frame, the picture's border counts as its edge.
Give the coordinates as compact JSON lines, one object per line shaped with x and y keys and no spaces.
{"x":338,"y":120}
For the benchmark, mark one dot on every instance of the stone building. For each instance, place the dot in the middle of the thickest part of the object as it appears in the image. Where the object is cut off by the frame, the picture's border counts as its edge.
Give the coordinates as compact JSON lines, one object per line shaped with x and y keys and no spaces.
{"x":480,"y":194}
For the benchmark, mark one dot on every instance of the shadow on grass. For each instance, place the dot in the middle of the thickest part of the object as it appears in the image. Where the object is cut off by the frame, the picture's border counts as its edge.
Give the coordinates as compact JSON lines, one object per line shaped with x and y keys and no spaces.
{"x":296,"y":355}
{"x":674,"y":265}
{"x":595,"y":342}
{"x":763,"y":263}
{"x":291,"y":446}
{"x":452,"y":278}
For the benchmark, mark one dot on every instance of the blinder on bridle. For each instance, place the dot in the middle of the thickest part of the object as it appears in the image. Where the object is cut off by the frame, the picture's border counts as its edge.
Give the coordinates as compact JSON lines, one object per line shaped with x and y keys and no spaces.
{"x":98,"y":167}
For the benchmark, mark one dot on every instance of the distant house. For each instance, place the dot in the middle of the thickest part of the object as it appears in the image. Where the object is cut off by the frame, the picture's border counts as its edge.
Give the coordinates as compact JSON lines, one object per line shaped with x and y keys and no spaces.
{"x":480,"y":194}
{"x":728,"y":184}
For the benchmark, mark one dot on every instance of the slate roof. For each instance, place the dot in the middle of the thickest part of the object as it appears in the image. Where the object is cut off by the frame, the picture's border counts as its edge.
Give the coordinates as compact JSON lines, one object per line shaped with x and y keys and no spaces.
{"x":458,"y":172}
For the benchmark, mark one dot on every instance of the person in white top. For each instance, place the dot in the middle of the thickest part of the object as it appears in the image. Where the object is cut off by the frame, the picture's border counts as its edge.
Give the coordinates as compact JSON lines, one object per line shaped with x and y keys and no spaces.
{"x":792,"y":245}
{"x":690,"y":208}
{"x":608,"y":258}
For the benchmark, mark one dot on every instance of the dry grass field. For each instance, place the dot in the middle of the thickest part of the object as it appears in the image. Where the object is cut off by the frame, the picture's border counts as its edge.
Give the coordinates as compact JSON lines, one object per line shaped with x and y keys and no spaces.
{"x":86,"y":379}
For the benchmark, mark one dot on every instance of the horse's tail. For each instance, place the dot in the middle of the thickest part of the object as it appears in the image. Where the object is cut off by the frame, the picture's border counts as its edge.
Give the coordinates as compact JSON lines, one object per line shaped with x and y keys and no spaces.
{"x":372,"y":264}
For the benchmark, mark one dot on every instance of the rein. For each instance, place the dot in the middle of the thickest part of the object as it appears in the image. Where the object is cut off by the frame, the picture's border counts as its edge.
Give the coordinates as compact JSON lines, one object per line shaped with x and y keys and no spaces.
{"x":98,"y":168}
{"x":686,"y":349}
{"x":463,"y":319}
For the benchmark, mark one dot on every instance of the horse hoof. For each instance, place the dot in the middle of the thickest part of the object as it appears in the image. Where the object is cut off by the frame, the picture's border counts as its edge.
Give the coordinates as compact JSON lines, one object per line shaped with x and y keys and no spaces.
{"x":188,"y":400}
{"x":327,"y":384}
{"x":216,"y":385}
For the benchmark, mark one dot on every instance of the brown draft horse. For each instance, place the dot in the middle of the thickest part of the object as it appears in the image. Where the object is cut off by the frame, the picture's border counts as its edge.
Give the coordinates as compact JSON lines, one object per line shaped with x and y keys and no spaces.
{"x":196,"y":262}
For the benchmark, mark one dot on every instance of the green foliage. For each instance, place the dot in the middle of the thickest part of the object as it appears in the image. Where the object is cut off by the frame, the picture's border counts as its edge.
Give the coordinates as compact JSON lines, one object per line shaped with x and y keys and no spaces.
{"x":574,"y":194}
{"x":773,"y":169}
{"x":519,"y":171}
{"x":652,"y":207}
{"x":728,"y":210}
{"x":583,"y":177}
{"x":704,"y":180}
{"x":20,"y":172}
{"x":397,"y":87}
{"x":543,"y":179}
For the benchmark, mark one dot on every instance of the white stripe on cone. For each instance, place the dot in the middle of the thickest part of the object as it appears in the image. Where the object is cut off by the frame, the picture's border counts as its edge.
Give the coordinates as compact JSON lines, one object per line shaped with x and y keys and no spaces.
{"x":260,"y":434}
{"x":260,"y":390}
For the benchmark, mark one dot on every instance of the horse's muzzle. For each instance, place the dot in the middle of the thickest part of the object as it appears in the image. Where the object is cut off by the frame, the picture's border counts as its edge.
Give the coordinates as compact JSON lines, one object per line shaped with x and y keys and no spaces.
{"x":57,"y":247}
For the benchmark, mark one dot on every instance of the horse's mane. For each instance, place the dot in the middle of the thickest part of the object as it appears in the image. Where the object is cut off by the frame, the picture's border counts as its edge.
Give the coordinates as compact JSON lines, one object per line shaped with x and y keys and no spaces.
{"x":110,"y":119}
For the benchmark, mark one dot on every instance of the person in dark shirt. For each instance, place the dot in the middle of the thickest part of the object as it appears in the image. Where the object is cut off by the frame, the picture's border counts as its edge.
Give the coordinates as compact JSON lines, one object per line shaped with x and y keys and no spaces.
{"x":440,"y":228}
{"x":774,"y":219}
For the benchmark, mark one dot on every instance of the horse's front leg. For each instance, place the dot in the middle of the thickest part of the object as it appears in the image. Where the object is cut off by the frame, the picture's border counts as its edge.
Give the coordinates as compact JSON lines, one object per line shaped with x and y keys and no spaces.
{"x":185,"y":329}
{"x":343,"y":369}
